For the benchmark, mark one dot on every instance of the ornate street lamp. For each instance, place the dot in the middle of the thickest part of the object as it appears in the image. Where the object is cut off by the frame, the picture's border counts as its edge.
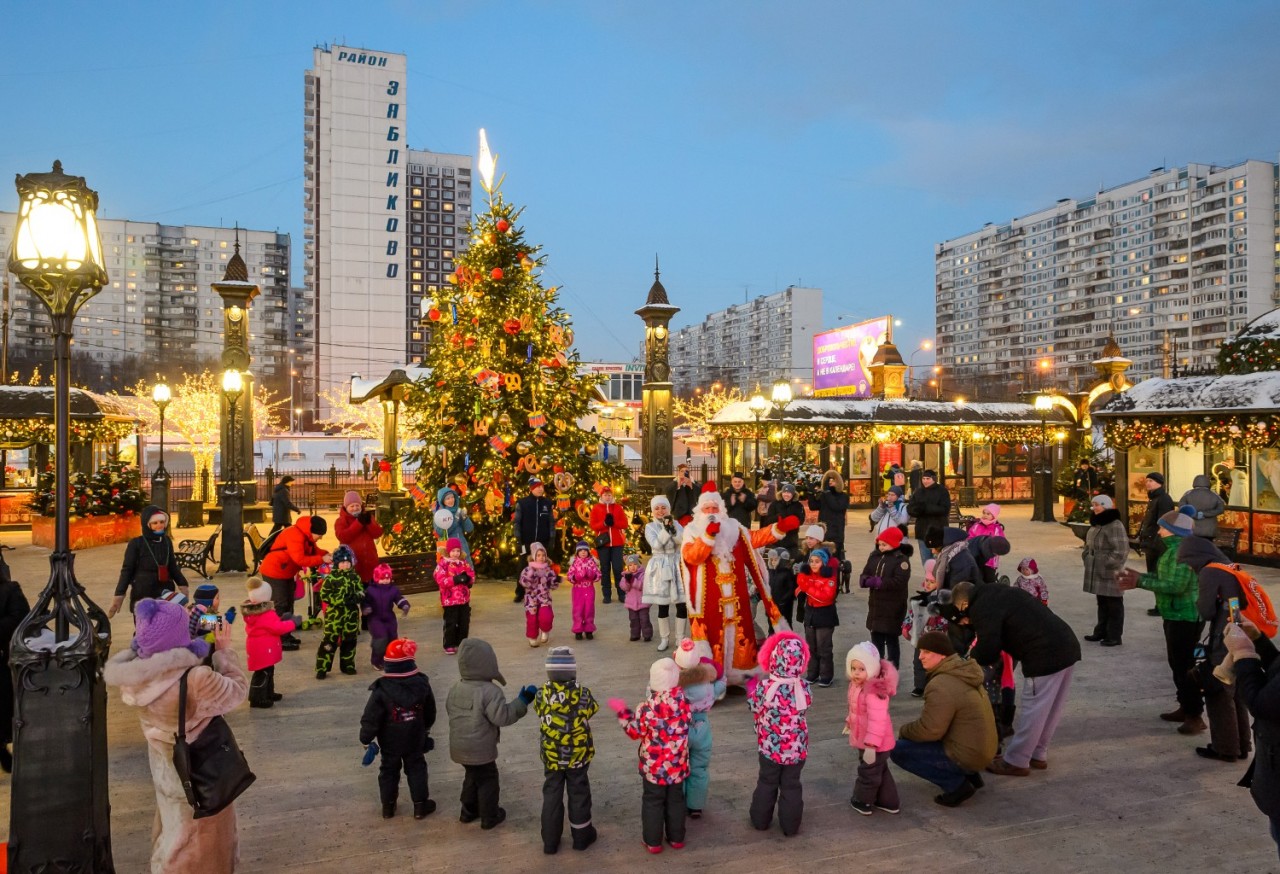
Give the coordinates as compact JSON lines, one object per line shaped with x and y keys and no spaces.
{"x":758,"y":407}
{"x":232,"y":559}
{"x":160,"y":479}
{"x":781,"y":398}
{"x":59,"y":812}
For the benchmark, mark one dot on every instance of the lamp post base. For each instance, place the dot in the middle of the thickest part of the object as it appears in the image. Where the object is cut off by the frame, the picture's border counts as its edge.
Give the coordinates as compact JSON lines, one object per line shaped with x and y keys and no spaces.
{"x":160,"y":489}
{"x":232,"y":558}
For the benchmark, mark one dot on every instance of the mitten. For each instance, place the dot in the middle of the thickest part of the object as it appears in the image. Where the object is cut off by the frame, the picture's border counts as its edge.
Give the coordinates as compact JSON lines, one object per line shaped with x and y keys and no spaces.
{"x":715,"y":664}
{"x":404,"y":611}
{"x":370,"y":753}
{"x":618,"y":706}
{"x":608,"y":519}
{"x":788,"y":523}
{"x":461,"y":578}
{"x":365,"y":517}
{"x":230,"y":616}
{"x":713,"y":527}
{"x":869,"y":756}
{"x":297,"y":620}
{"x":528,"y":693}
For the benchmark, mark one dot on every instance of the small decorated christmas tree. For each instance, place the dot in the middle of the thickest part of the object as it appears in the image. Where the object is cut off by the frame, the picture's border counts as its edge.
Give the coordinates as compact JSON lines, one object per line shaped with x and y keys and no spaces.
{"x":504,"y":398}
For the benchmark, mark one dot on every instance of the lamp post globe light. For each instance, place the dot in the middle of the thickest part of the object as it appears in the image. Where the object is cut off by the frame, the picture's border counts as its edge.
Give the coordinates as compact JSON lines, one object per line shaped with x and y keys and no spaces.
{"x":161,"y":396}
{"x":59,"y":809}
{"x":758,"y":406}
{"x":1043,"y":481}
{"x":232,"y":494}
{"x":781,"y":398}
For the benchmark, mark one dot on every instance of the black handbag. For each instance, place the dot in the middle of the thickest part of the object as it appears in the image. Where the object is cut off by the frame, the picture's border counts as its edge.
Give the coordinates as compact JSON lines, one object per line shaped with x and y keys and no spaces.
{"x":212,"y":769}
{"x":603,"y":540}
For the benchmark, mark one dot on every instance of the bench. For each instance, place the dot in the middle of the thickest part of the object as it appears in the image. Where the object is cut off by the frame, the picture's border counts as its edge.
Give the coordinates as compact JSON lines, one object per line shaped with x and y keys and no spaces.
{"x":326,"y":497}
{"x":1228,"y":540}
{"x":195,"y":554}
{"x":413,"y":572}
{"x":259,"y":545}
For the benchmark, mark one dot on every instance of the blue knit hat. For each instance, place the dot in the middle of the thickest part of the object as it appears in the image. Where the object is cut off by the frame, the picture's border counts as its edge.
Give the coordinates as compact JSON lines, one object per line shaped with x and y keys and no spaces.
{"x":822,"y":554}
{"x":205,"y":593}
{"x":344,"y":553}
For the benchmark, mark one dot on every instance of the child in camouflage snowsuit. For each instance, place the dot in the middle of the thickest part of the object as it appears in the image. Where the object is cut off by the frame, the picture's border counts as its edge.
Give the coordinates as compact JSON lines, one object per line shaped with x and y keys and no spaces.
{"x":563,"y":708}
{"x":342,"y":593}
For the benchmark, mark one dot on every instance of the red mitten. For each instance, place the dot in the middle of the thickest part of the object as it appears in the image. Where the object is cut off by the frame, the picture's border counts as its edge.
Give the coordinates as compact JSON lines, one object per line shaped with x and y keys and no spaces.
{"x":713,"y":527}
{"x":788,"y":523}
{"x":617,"y":705}
{"x":715,"y":664}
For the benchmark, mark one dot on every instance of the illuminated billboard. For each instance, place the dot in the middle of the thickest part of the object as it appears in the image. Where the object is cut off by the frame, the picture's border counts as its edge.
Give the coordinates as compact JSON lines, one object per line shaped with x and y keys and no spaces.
{"x":841,"y":358}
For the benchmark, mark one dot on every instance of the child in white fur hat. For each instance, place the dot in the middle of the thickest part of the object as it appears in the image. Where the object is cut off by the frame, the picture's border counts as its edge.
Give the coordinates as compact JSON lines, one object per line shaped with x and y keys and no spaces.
{"x":872,"y":682}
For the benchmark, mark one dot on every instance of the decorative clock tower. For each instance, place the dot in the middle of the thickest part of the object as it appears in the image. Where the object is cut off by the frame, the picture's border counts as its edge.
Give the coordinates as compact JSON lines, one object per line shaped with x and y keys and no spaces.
{"x":237,"y":292}
{"x":655,"y":410}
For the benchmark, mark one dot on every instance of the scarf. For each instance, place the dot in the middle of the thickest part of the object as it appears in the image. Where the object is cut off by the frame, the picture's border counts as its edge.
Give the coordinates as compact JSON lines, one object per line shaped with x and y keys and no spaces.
{"x":943,"y":558}
{"x":776,"y":684}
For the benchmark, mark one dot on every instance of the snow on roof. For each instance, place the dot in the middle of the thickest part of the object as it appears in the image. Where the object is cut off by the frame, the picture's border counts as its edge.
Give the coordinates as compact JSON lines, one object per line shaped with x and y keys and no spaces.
{"x":1196,"y":394}
{"x":1265,"y":325}
{"x":822,"y":411}
{"x":36,"y":402}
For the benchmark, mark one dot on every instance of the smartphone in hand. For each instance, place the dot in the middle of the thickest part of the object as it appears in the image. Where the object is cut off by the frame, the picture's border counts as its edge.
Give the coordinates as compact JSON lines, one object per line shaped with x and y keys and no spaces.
{"x":1233,"y":605}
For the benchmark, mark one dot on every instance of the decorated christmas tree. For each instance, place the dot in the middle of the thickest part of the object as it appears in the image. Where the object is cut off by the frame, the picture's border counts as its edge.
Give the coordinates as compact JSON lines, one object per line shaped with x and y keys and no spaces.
{"x":504,"y":397}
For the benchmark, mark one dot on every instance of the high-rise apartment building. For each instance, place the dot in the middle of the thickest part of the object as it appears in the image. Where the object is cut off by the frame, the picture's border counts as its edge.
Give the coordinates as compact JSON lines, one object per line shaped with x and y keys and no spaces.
{"x":1172,"y":264}
{"x":382,"y":223}
{"x":439,"y":208}
{"x":158,"y":312}
{"x":760,"y":341}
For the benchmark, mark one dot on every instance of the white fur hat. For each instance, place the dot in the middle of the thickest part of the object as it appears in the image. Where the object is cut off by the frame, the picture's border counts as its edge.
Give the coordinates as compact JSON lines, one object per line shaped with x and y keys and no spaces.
{"x":866,"y":653}
{"x":711,"y":499}
{"x":816,"y":532}
{"x":259,"y":590}
{"x":659,"y":501}
{"x":686,"y":654}
{"x":664,"y":675}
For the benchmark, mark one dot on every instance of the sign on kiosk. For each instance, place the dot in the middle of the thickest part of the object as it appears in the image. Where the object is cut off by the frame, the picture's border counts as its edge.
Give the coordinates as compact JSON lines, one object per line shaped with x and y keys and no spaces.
{"x":841,"y":358}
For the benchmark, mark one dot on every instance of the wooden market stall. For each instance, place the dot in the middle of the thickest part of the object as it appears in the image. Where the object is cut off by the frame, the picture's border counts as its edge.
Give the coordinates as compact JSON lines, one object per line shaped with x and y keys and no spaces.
{"x":981,"y":451}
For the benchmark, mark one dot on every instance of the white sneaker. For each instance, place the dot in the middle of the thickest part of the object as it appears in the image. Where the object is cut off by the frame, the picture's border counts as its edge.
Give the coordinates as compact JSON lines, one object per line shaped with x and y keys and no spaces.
{"x":533,"y":641}
{"x":663,"y":644}
{"x":542,"y":638}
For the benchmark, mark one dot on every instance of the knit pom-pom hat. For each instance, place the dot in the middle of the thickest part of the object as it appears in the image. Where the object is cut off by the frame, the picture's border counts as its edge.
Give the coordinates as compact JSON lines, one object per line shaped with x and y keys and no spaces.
{"x":866,"y":653}
{"x":399,"y":660}
{"x":160,"y":626}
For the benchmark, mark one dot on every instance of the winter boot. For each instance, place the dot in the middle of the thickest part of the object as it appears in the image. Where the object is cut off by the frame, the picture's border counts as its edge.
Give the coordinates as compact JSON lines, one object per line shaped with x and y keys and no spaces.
{"x":423,"y":809}
{"x":388,"y":810}
{"x":664,"y":633}
{"x":583,"y":837}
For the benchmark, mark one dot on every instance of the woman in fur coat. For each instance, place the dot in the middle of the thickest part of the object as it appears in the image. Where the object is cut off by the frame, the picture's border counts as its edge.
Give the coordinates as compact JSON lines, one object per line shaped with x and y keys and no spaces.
{"x":148,"y":674}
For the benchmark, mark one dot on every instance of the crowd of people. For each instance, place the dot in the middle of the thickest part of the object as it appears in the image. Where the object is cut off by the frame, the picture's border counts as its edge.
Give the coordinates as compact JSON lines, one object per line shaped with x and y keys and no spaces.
{"x":969,"y":627}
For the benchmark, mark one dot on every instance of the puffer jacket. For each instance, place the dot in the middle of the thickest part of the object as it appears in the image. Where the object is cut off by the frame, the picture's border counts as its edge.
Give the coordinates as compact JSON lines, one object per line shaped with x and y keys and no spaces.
{"x":600,"y":523}
{"x":361,"y":533}
{"x":955,"y":562}
{"x":462,"y":524}
{"x":1208,"y":504}
{"x":1174,"y":584}
{"x":563,"y":711}
{"x":538,"y":581}
{"x":1257,"y":685}
{"x":930,"y":507}
{"x":1105,"y":547}
{"x":1007,"y":619}
{"x":143,"y":558}
{"x":868,"y":719}
{"x":780,"y":702}
{"x":982,"y":529}
{"x":958,"y":713}
{"x":380,"y":603}
{"x":399,"y":713}
{"x":477,"y":708}
{"x":661,"y":724}
{"x":583,"y":572}
{"x":263,"y":629}
{"x":633,"y":584}
{"x":294,"y":549}
{"x":832,"y":507}
{"x":887,"y":605}
{"x":342,"y":594}
{"x":778,"y":511}
{"x":886,"y":516}
{"x":451,"y":593}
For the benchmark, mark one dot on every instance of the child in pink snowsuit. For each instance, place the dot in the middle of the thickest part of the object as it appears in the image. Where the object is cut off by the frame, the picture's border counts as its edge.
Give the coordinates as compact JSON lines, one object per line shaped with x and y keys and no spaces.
{"x":538,"y":579}
{"x":583,"y":574}
{"x":872,"y":682}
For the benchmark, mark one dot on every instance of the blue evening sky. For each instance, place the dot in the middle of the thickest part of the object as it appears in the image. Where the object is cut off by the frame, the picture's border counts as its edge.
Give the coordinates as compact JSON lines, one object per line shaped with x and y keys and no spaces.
{"x":753,"y":145}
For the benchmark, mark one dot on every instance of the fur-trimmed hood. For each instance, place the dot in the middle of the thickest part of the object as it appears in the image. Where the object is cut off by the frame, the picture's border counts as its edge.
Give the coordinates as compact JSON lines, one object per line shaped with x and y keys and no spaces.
{"x":789,"y":664}
{"x":142,"y":681}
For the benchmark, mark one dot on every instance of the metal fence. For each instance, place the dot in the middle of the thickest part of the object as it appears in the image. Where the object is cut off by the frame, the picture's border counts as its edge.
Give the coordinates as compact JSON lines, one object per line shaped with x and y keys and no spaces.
{"x":307,"y":488}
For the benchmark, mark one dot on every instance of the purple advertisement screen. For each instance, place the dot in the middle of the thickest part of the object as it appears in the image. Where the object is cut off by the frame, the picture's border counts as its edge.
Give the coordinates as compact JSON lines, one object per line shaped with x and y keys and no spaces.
{"x":841,"y":357}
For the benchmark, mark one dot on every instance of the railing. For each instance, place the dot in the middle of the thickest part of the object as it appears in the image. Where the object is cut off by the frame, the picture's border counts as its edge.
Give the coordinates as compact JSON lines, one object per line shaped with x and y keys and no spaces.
{"x":182,"y":484}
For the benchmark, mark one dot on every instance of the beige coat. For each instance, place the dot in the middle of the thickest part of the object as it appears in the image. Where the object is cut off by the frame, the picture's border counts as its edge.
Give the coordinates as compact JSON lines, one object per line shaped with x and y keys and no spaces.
{"x":180,"y":844}
{"x":1105,"y":547}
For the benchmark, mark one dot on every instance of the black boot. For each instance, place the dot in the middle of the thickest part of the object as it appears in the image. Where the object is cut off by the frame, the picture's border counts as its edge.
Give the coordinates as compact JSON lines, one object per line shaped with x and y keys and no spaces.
{"x":423,"y":809}
{"x":388,"y":810}
{"x":583,"y":837}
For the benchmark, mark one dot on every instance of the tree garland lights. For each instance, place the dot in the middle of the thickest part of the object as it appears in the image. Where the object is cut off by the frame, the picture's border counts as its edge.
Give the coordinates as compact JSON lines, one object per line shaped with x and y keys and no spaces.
{"x":503,"y":401}
{"x":20,"y":433}
{"x":873,"y":432}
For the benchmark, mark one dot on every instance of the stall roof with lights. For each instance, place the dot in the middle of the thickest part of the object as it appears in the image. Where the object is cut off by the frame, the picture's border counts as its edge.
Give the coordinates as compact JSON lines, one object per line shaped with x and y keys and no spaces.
{"x":1254,"y":392}
{"x":869,"y":411}
{"x":26,"y":416}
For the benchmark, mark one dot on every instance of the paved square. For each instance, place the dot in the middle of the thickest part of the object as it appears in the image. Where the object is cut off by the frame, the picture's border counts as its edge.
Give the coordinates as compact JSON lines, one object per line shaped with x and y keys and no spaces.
{"x":1124,"y":792}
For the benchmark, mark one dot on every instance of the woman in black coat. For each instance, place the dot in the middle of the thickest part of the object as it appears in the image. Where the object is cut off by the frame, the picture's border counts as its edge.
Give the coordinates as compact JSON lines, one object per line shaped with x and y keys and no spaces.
{"x":832,"y":507}
{"x":786,"y":505}
{"x":887,"y":605}
{"x":150,"y":565}
{"x":13,"y":607}
{"x":1257,"y":667}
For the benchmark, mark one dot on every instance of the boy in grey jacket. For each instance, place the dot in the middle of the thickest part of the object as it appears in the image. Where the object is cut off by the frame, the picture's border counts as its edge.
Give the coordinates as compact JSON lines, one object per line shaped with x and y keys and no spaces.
{"x":477,"y":711}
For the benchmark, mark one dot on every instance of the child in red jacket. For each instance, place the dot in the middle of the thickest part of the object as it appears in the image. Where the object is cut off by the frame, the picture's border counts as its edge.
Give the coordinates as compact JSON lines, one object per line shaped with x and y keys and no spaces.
{"x":263,"y":630}
{"x":872,"y":682}
{"x":818,"y":583}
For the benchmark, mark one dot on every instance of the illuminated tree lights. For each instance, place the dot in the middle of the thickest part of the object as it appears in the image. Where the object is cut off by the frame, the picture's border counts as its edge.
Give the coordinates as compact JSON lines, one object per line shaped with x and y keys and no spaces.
{"x":879,"y":432}
{"x":1222,"y":429}
{"x":503,"y":401}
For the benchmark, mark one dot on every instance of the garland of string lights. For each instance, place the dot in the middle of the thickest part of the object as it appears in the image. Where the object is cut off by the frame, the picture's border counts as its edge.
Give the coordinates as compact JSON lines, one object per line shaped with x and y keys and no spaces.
{"x":1247,"y":431}
{"x":884,"y":433}
{"x":20,"y":433}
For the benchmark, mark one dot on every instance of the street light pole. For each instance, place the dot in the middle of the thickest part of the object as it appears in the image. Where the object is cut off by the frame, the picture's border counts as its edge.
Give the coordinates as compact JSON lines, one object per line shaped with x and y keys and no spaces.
{"x":160,"y":479}
{"x":59,"y":806}
{"x":781,"y":398}
{"x":758,"y":406}
{"x":1043,"y":482}
{"x":232,"y":559}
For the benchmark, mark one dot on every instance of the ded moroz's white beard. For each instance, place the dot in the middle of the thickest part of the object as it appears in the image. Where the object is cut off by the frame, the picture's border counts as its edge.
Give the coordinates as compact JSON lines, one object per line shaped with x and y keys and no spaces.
{"x":725,"y":539}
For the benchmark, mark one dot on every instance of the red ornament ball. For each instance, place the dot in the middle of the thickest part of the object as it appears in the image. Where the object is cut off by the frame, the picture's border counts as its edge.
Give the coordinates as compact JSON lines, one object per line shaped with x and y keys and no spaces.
{"x":496,"y":273}
{"x":511,"y":326}
{"x":503,"y":225}
{"x":434,"y":314}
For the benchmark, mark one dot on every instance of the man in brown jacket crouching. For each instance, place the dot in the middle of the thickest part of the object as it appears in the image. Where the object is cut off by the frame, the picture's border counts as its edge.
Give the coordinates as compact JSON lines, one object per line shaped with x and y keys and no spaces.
{"x":955,"y":736}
